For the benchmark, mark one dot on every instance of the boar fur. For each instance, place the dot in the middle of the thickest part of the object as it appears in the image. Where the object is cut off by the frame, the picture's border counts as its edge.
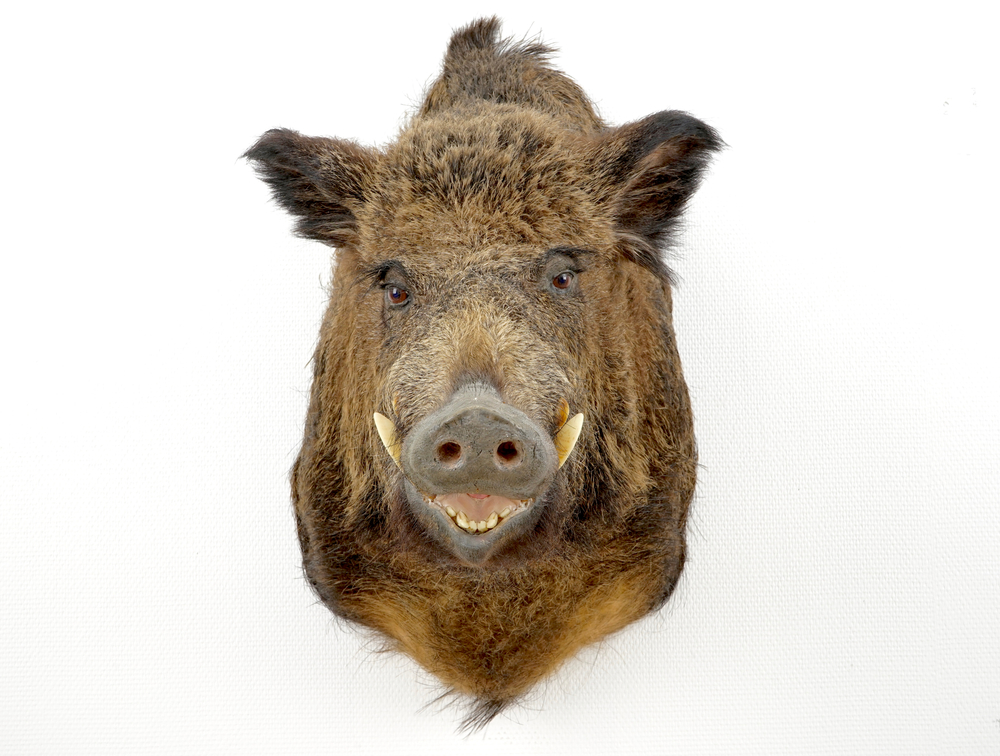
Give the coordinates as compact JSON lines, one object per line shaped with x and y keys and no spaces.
{"x":453,"y":243}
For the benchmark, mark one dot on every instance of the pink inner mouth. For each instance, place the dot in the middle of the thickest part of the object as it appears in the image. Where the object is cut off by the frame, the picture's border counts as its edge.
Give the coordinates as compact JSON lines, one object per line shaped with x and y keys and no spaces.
{"x":476,"y":506}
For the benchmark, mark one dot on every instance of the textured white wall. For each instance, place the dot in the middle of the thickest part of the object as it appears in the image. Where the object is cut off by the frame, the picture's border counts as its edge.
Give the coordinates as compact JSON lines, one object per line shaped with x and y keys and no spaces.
{"x":837,"y":316}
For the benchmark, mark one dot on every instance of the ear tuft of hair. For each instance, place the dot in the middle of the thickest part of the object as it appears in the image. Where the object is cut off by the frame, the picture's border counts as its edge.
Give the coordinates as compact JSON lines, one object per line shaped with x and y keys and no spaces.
{"x":320,"y":181}
{"x":648,"y":171}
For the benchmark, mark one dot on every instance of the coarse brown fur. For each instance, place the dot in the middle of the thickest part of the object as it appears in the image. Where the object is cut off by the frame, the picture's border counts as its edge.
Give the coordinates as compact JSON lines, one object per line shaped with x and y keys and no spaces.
{"x":505,"y":176}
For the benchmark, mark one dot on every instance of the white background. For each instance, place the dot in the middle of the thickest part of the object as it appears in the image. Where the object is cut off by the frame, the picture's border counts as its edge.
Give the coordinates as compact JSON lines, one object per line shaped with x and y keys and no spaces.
{"x":837,"y":315}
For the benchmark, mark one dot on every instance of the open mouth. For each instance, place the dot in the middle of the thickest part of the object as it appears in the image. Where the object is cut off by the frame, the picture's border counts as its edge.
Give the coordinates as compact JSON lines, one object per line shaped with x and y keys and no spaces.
{"x":477,"y":513}
{"x":476,"y":471}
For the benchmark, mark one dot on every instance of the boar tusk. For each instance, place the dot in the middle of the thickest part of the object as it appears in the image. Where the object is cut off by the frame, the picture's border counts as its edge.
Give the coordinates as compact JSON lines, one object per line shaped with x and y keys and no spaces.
{"x":566,"y":438}
{"x":387,"y":432}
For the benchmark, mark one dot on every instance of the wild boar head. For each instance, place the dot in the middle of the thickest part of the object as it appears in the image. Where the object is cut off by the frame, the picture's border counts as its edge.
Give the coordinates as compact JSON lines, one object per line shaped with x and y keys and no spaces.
{"x":499,"y":296}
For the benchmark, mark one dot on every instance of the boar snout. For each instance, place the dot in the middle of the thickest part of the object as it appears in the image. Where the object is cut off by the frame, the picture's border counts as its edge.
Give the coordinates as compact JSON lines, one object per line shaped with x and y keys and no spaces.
{"x":476,"y":470}
{"x":476,"y":444}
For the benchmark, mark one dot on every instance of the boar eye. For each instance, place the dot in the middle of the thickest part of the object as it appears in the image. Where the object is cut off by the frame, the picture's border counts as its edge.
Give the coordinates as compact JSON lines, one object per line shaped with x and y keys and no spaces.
{"x":396,"y":296}
{"x":563,"y":280}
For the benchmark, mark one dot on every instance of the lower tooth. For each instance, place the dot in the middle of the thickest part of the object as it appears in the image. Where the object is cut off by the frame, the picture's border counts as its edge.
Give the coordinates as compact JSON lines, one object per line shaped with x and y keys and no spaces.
{"x":472,"y":526}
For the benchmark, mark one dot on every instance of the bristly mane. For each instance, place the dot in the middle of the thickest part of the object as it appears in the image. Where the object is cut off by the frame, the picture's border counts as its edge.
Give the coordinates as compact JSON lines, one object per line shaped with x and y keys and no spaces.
{"x":479,"y":65}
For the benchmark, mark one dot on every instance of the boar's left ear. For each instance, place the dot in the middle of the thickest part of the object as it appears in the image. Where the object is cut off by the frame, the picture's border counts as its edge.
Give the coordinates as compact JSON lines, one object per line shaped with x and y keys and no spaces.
{"x":647,"y":170}
{"x":321,"y":181}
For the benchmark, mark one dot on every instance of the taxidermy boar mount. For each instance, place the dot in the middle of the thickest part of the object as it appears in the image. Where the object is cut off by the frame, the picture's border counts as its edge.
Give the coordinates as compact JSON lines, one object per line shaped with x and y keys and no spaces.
{"x":498,"y":454}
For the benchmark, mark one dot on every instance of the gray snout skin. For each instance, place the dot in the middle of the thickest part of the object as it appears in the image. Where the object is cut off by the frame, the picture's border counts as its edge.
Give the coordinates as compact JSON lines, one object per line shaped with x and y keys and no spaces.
{"x":476,"y":444}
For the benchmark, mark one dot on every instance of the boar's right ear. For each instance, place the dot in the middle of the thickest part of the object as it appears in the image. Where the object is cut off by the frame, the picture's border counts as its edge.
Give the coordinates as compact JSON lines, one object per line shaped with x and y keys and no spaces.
{"x":647,"y":170}
{"x":321,"y":181}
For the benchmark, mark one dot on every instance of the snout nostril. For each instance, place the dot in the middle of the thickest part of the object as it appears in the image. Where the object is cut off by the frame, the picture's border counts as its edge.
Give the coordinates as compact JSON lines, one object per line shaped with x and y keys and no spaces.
{"x":449,"y":453}
{"x":509,"y":453}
